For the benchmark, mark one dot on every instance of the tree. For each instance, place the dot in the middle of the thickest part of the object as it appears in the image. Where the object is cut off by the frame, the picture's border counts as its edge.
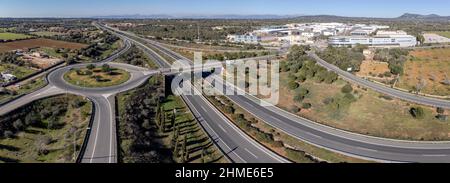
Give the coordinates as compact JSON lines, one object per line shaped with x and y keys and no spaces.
{"x":18,"y":124}
{"x":70,"y":60}
{"x":185,"y":150}
{"x":146,"y":124}
{"x":203,"y":157}
{"x":106,"y":68}
{"x":347,"y":88}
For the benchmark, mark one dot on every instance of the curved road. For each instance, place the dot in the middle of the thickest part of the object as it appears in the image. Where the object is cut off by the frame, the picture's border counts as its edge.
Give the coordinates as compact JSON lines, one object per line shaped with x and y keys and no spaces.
{"x":380,"y":88}
{"x":367,"y":147}
{"x":237,"y":145}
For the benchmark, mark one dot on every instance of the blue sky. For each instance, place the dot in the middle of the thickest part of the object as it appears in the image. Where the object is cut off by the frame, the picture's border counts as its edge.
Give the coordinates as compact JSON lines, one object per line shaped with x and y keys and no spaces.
{"x":85,"y":8}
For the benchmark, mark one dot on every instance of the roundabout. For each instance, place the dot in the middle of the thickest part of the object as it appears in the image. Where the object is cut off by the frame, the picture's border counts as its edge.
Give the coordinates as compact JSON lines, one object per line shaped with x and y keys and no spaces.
{"x":125,"y":78}
{"x":96,"y":77}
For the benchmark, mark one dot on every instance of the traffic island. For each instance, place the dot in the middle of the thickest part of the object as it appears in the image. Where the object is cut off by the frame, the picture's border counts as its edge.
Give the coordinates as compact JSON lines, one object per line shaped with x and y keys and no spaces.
{"x":96,"y":76}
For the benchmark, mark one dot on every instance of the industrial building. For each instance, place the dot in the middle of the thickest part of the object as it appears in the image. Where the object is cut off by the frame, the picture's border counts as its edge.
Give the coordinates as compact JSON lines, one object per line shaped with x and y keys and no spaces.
{"x":375,"y":41}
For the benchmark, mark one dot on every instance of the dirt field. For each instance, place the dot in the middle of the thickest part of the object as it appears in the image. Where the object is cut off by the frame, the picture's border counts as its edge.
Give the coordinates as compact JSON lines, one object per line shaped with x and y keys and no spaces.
{"x":431,"y":66}
{"x":41,"y":62}
{"x":40,"y":42}
{"x":372,"y":68}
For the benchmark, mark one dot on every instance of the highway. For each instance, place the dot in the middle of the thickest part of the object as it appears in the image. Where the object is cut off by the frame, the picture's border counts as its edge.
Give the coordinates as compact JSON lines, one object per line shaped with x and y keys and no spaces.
{"x":235,"y":144}
{"x":239,"y":147}
{"x":352,"y":144}
{"x":381,"y":88}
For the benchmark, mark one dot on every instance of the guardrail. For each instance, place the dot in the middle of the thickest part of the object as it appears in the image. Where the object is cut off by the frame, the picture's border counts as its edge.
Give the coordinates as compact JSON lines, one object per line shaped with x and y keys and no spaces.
{"x":88,"y":133}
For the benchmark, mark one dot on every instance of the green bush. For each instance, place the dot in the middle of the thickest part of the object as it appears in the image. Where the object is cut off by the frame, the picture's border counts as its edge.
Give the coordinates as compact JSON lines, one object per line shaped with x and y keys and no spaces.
{"x":417,"y":112}
{"x":347,"y":88}
{"x":229,"y":109}
{"x":440,"y":110}
{"x":306,"y":105}
{"x":293,"y":85}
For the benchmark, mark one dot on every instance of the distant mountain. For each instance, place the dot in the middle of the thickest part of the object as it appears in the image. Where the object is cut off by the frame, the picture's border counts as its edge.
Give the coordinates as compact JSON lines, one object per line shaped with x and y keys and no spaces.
{"x":418,"y":16}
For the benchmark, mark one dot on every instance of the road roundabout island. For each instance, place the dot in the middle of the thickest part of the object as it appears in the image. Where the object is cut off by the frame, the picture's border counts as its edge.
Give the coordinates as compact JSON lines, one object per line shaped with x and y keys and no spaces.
{"x":95,"y":77}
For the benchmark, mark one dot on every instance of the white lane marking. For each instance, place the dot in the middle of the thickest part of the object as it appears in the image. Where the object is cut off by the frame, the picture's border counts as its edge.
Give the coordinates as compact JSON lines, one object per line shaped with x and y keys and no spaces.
{"x":110,"y":130}
{"x":251,"y":153}
{"x":366,"y":149}
{"x":214,"y":132}
{"x":317,"y":136}
{"x":435,"y":155}
{"x":96,"y":135}
{"x":240,"y":132}
{"x":221,"y":127}
{"x":203,"y":108}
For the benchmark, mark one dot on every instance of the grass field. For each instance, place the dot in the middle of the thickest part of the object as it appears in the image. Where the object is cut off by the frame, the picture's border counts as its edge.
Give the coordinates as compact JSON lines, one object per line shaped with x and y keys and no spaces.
{"x":18,"y":71}
{"x":370,"y":114}
{"x":27,"y":87}
{"x":116,"y":77}
{"x":12,"y":36}
{"x":442,"y":33}
{"x":431,"y":66}
{"x":23,"y":148}
{"x":40,"y":42}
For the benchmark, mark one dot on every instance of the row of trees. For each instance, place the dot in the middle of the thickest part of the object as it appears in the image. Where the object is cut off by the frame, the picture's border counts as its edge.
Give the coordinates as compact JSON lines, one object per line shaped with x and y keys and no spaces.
{"x":343,"y":57}
{"x":396,"y":57}
{"x":135,"y":56}
{"x":234,"y":55}
{"x":140,"y":122}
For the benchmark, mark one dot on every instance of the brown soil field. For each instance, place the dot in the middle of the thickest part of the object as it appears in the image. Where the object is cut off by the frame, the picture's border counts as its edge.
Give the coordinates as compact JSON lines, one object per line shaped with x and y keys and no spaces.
{"x":429,"y":65}
{"x":373,"y":68}
{"x":40,"y":42}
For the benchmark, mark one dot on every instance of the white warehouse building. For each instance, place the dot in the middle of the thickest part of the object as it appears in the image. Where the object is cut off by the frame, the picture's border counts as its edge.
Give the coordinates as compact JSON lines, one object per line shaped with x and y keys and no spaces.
{"x":377,"y":41}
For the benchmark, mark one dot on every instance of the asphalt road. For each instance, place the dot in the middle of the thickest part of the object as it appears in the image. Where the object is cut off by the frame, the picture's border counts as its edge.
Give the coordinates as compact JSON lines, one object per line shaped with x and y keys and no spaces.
{"x":102,"y":143}
{"x":237,"y":145}
{"x":381,"y":88}
{"x":361,"y":146}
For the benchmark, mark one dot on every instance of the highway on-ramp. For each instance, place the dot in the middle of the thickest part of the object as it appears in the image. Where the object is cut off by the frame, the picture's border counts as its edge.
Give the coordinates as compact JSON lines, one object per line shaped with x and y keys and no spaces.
{"x":233,"y":142}
{"x":362,"y":146}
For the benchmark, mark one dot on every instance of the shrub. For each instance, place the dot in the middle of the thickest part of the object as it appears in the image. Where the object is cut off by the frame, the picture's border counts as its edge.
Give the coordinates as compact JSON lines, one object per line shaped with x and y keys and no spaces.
{"x":293,"y":85}
{"x":440,"y":110}
{"x":417,"y":112}
{"x":77,"y":103}
{"x":306,"y":105}
{"x":106,"y":68}
{"x":8,"y":134}
{"x":386,"y":97}
{"x":328,"y":100}
{"x":229,"y":109}
{"x":90,"y":66}
{"x":294,"y":109}
{"x":347,"y":88}
{"x":299,"y":98}
{"x":18,"y":124}
{"x":442,"y":117}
